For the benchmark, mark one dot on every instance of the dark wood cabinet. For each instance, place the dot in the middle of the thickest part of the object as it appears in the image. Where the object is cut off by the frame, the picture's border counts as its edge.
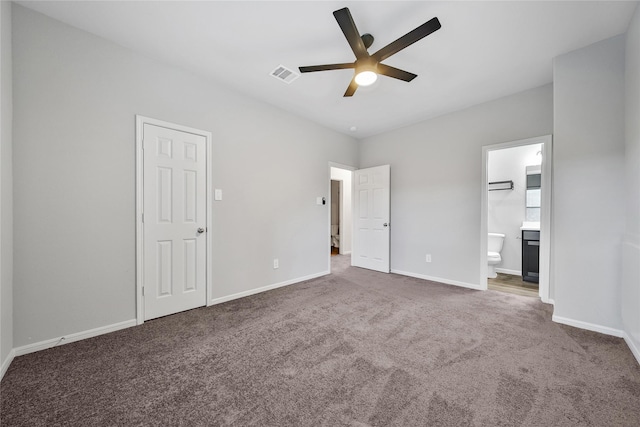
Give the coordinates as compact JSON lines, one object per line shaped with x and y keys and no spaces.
{"x":530,"y":255}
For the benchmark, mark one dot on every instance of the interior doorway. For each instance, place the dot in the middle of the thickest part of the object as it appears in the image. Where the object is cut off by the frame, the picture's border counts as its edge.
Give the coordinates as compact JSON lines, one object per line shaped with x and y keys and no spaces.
{"x":336,"y":207}
{"x":516,"y":217}
{"x":340,"y":210}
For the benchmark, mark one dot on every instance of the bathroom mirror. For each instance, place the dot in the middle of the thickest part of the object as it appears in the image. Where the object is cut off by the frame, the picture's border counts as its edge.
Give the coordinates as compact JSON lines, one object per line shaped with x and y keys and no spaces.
{"x":532,"y":205}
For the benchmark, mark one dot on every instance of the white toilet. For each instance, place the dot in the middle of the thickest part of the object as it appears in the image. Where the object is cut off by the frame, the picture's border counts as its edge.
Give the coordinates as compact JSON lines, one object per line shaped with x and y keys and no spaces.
{"x":494,"y":246}
{"x":335,"y":237}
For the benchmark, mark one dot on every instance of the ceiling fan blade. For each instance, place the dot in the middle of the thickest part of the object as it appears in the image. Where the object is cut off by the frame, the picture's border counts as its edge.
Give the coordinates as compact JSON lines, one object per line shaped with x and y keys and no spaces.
{"x":352,"y":87}
{"x":408,"y":39}
{"x":326,"y":67}
{"x":348,"y":27}
{"x":396,"y":73}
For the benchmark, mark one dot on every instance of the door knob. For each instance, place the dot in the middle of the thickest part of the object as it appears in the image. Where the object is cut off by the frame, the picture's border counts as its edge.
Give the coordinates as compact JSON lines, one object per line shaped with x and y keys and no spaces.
{"x":385,"y":225}
{"x":200,"y":230}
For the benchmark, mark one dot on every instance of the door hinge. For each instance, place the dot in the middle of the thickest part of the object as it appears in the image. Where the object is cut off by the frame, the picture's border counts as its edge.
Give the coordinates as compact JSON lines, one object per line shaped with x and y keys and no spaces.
{"x":143,"y":291}
{"x":142,"y":217}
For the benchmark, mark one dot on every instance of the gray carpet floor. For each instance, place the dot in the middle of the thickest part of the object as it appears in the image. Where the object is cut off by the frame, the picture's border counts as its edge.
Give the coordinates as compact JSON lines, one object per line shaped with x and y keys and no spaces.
{"x":355,"y":348}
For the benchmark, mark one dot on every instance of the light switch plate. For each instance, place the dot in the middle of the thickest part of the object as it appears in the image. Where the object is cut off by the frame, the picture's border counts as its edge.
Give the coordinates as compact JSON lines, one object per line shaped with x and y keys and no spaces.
{"x":217,"y":194}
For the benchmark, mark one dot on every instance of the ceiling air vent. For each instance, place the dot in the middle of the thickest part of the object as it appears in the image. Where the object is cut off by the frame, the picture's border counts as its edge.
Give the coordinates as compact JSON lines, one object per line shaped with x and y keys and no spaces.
{"x":284,"y":74}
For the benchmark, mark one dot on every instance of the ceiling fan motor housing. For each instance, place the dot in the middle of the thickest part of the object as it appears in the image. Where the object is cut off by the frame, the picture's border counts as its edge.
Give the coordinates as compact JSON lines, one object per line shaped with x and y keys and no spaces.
{"x":367,"y":39}
{"x":366,"y":64}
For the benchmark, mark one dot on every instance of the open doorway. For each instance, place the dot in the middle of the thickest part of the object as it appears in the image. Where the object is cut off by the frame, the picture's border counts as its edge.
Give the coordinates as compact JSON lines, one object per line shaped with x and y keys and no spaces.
{"x":340,"y":218}
{"x":511,"y":207}
{"x":516,"y":219}
{"x":336,"y":207}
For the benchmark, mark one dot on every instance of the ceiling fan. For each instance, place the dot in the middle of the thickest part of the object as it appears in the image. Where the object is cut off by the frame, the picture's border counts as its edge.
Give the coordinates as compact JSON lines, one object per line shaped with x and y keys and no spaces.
{"x":367,"y":67}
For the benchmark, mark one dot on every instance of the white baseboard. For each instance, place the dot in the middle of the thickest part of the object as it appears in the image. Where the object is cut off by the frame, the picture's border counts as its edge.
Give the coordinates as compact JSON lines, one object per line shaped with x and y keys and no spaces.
{"x":265,"y":288}
{"x":66,"y":339}
{"x":588,"y":326}
{"x":6,"y":362}
{"x":507,"y":271}
{"x":345,"y":253}
{"x":438,"y":279}
{"x":632,"y":346}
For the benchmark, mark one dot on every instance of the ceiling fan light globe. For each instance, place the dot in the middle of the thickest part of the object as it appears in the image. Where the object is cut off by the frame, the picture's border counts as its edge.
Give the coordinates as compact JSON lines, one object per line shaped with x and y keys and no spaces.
{"x":366,"y":78}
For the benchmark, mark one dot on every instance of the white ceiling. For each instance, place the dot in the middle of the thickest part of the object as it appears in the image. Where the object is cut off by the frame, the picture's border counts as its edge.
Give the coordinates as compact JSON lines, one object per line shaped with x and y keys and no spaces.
{"x":484,"y":50}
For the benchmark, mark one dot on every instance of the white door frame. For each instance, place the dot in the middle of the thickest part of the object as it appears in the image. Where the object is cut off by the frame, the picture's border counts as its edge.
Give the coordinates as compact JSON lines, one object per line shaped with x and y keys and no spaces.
{"x":545,"y":213}
{"x":345,"y":167}
{"x":140,"y":122}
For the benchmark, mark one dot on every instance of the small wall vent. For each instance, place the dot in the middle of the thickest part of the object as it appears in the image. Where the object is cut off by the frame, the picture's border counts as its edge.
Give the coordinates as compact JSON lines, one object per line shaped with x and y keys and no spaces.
{"x":284,"y":74}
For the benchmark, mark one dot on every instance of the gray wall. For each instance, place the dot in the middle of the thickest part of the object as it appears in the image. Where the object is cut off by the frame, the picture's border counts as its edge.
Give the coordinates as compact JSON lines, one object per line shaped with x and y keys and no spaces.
{"x":631,"y":244}
{"x":6,"y":187}
{"x":436,"y":180}
{"x":75,"y":97}
{"x":506,"y":208}
{"x":588,"y":192}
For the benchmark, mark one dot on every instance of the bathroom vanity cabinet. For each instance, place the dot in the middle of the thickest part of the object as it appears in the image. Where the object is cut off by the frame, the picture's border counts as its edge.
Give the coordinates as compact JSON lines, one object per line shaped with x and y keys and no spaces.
{"x":530,"y":255}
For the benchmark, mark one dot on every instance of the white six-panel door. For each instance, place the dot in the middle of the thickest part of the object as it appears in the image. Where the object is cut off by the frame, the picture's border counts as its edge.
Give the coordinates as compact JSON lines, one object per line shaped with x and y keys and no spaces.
{"x":371,"y":207}
{"x":174,"y":221}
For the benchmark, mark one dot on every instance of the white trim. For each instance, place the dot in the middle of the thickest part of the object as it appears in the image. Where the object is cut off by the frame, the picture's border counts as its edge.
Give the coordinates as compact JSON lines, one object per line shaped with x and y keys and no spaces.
{"x":209,"y":192}
{"x":345,"y":253}
{"x":266,"y":288}
{"x":510,"y":272}
{"x":340,"y":166}
{"x":484,"y":215}
{"x":340,"y":214}
{"x":632,"y":346}
{"x":140,"y":122}
{"x":588,"y":326}
{"x":7,"y":362}
{"x":66,"y":339}
{"x":439,"y":279}
{"x":139,"y":229}
{"x":546,"y":223}
{"x":545,"y":219}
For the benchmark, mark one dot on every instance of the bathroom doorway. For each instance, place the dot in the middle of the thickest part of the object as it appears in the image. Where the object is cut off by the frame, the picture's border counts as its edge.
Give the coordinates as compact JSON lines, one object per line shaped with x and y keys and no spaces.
{"x":516,"y":217}
{"x":340,"y":218}
{"x":336,"y":207}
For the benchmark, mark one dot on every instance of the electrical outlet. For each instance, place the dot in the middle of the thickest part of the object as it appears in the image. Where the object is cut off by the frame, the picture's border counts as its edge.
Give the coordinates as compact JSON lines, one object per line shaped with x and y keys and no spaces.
{"x":275,"y":263}
{"x":428,"y":258}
